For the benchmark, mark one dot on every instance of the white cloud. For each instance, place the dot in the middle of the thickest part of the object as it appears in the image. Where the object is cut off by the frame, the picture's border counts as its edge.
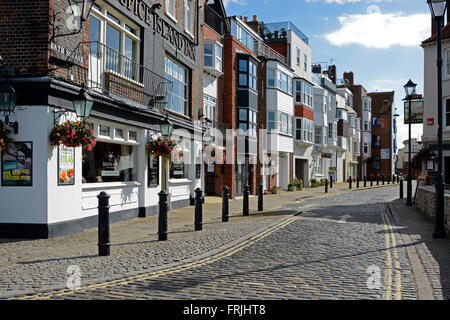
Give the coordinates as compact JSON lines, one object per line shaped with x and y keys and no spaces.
{"x":381,"y":31}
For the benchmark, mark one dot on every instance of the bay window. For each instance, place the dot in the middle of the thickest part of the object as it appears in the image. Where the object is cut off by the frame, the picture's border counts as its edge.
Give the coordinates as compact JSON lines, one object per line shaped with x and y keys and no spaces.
{"x":279,"y":79}
{"x":304,"y":130}
{"x":247,"y":73}
{"x":303,"y":93}
{"x":247,"y":121}
{"x":213,"y":55}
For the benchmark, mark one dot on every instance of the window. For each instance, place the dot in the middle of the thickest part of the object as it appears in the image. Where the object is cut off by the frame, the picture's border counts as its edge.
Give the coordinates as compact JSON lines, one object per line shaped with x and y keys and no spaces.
{"x":376,"y":122}
{"x":247,"y":72}
{"x":376,"y":141}
{"x":189,"y":16}
{"x":210,"y":109}
{"x":242,"y":35}
{"x":177,"y":171}
{"x":447,"y":65}
{"x":284,"y":123}
{"x":153,"y":171}
{"x":303,"y":93}
{"x":213,"y":56}
{"x":447,"y":112}
{"x":351,"y":120}
{"x":247,"y":121}
{"x":298,"y":56}
{"x":178,"y":93}
{"x":376,"y":163}
{"x":282,"y":80}
{"x":121,"y":39}
{"x":366,"y":147}
{"x":318,"y":136}
{"x":170,"y":8}
{"x":304,"y":130}
{"x":366,"y":125}
{"x":132,"y":135}
{"x":104,"y":131}
{"x":271,"y":123}
{"x":118,"y":133}
{"x":305,"y":62}
{"x":109,"y":162}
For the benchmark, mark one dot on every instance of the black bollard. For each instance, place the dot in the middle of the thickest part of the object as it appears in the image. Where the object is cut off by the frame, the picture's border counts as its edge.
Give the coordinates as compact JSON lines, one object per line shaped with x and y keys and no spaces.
{"x":198,"y":209}
{"x":331,"y":182}
{"x":378,"y":179}
{"x":326,"y":186}
{"x":225,"y":207}
{"x":357,"y":181}
{"x":162,"y":219}
{"x":103,"y":224}
{"x":398,"y":178}
{"x":350,"y":182}
{"x":260,"y":197}
{"x":246,"y":206}
{"x":389,"y":178}
{"x":365,"y":181}
{"x":382,"y":179}
{"x":401,"y":188}
{"x":371,"y":180}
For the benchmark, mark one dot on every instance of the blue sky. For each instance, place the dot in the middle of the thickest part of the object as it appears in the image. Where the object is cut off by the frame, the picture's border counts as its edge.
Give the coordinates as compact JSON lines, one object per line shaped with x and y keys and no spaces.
{"x":379,"y":40}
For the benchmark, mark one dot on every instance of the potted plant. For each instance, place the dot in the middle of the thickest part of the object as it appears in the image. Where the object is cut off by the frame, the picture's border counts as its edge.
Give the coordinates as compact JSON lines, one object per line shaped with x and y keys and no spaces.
{"x":276,"y":32}
{"x":269,"y":35}
{"x":4,"y":139}
{"x":73,"y":134}
{"x":160,"y":146}
{"x":322,"y":182}
{"x":314,"y":183}
{"x":298,"y":183}
{"x":283,"y":32}
{"x":291,"y":187}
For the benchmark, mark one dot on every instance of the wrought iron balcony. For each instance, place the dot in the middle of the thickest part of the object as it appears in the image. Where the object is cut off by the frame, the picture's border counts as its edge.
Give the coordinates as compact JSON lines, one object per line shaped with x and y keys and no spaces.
{"x":120,"y":77}
{"x":263,"y":50}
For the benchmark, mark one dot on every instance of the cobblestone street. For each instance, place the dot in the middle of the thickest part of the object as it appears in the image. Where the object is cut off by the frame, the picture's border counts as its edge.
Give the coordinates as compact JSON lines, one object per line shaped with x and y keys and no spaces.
{"x":344,"y":246}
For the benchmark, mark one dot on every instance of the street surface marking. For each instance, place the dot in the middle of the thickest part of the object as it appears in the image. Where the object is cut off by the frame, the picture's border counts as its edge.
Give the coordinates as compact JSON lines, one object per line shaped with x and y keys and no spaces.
{"x":390,"y":237}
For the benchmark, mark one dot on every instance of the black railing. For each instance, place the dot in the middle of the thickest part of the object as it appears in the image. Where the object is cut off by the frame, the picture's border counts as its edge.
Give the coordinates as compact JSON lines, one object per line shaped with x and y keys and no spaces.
{"x":214,"y":20}
{"x":117,"y":75}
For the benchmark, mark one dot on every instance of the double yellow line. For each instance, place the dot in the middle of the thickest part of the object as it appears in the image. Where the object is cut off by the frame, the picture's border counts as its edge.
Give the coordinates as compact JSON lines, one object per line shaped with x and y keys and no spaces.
{"x":391,"y":258}
{"x":163,"y":272}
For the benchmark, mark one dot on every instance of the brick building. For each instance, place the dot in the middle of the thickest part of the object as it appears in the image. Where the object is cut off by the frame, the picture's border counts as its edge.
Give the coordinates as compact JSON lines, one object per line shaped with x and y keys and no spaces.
{"x":139,"y":61}
{"x":382,"y":162}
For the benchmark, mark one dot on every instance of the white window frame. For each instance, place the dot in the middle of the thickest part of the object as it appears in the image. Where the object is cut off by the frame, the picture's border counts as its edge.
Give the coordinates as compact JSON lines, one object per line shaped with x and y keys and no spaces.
{"x":102,"y":16}
{"x":447,"y":63}
{"x":171,"y":9}
{"x":189,"y":17}
{"x":186,"y":83}
{"x":215,"y":58}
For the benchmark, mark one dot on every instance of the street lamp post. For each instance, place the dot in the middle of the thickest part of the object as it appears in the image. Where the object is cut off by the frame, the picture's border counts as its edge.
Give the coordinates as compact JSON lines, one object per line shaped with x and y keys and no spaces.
{"x":166,"y":128}
{"x":438,"y":8}
{"x":410,"y":89}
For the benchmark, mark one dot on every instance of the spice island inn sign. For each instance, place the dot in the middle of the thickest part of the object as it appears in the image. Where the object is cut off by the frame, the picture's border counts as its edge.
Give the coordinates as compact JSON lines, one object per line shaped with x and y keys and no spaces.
{"x":160,"y":26}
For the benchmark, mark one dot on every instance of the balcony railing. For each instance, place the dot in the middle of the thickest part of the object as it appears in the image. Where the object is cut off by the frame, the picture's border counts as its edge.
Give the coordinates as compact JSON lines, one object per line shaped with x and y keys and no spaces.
{"x":118,"y":76}
{"x":261,"y":49}
{"x":214,"y":20}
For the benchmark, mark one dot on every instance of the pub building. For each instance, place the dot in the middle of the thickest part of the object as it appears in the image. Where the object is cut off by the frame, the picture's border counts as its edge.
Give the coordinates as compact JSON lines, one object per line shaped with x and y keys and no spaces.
{"x":137,"y":61}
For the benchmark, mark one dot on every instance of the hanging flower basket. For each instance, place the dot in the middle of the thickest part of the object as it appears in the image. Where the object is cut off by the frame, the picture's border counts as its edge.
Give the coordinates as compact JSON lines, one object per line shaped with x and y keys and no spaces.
{"x":73,"y":134}
{"x":160,"y":146}
{"x":4,"y":139}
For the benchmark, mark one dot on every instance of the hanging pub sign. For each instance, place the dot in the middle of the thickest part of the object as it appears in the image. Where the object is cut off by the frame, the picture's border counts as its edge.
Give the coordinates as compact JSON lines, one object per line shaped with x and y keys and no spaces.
{"x":17,"y":160}
{"x":417,"y":111}
{"x":66,"y":165}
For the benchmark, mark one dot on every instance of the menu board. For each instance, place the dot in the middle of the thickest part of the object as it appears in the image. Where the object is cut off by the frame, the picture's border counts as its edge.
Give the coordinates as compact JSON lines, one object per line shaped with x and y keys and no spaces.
{"x":66,"y":165}
{"x":17,"y":161}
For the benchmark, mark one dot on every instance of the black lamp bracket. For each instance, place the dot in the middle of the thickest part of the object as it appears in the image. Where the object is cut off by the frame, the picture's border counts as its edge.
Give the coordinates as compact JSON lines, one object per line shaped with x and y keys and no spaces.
{"x":58,"y":113}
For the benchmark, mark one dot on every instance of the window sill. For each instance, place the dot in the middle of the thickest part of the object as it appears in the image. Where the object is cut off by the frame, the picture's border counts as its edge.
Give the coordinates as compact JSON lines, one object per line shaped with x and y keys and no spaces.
{"x":171,"y":17}
{"x":179,"y":181}
{"x":109,"y":185}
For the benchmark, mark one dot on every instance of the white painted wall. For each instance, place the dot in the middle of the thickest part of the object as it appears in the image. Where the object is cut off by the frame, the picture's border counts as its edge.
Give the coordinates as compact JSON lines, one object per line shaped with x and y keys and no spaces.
{"x":295,"y":42}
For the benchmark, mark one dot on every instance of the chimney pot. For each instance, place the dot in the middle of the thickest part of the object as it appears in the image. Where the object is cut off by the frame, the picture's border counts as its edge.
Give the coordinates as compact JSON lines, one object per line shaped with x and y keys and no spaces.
{"x":246,"y":19}
{"x":255,"y":17}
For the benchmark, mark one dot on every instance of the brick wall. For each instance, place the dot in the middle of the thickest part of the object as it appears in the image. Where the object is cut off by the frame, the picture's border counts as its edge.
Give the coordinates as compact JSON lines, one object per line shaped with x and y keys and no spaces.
{"x":24,"y":32}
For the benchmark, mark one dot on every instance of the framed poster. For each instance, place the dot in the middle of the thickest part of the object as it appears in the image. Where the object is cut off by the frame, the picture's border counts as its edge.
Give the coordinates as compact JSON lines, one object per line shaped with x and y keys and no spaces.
{"x":17,"y":164}
{"x":66,"y":166}
{"x":153,"y":171}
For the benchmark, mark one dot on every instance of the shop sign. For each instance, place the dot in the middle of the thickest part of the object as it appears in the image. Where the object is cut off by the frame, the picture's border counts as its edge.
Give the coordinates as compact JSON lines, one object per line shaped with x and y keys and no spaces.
{"x":66,"y":165}
{"x":110,"y":173}
{"x":160,"y":26}
{"x":67,"y":53}
{"x":17,"y":161}
{"x":417,"y":111}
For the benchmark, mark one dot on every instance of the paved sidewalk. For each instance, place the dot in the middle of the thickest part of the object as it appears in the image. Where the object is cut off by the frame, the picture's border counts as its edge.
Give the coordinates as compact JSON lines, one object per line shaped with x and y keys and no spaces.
{"x":29,"y":266}
{"x":428,"y":257}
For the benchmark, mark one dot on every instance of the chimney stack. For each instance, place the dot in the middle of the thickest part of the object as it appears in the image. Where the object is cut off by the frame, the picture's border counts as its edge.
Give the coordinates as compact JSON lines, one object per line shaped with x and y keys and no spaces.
{"x":245,"y":19}
{"x":255,"y":17}
{"x":349,"y":77}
